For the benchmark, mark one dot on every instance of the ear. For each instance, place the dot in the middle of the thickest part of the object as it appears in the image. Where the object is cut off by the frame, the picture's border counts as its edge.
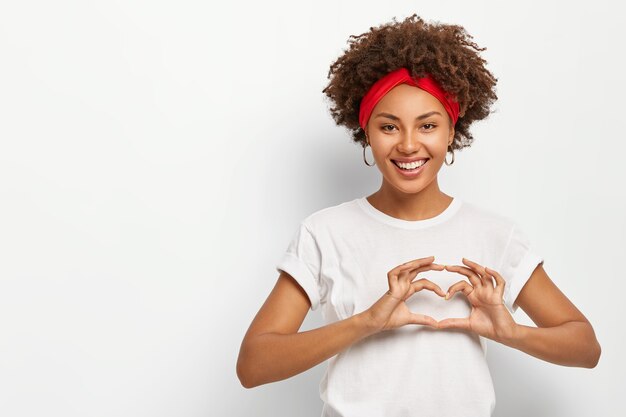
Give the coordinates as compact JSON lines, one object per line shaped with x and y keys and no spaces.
{"x":452,"y":130}
{"x":451,"y":135}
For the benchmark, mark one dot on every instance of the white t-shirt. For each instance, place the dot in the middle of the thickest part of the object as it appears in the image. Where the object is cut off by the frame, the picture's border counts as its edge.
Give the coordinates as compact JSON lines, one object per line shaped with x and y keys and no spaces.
{"x":340,"y":256}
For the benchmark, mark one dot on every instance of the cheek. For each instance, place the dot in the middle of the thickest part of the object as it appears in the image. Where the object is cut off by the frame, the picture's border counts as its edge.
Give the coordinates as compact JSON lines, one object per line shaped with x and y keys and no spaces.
{"x":442,"y":149}
{"x":437,"y":146}
{"x":381,"y":148}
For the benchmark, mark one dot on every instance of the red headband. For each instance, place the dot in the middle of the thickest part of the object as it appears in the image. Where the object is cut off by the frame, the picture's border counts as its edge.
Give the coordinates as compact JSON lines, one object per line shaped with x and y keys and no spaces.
{"x":399,"y":76}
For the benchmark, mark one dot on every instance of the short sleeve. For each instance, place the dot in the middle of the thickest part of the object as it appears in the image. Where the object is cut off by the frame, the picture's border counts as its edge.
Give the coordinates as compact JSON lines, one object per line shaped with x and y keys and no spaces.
{"x":519,"y":260}
{"x":302,"y":261}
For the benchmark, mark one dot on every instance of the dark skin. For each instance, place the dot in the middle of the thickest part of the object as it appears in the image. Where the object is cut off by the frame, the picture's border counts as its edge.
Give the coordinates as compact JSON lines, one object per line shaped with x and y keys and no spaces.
{"x":563,"y":335}
{"x":273,"y":349}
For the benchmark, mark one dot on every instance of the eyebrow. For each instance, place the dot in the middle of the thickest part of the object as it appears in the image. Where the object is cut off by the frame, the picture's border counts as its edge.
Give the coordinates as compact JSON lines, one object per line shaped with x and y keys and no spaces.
{"x":421,"y":117}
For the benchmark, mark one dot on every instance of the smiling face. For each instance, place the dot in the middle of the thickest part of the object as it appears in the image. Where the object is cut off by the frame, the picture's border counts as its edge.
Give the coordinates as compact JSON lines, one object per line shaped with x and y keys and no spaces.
{"x":409,"y":124}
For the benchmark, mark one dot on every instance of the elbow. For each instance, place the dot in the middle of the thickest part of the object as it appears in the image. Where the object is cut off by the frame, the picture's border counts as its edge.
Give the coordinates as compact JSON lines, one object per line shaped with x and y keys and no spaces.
{"x":244,"y":369}
{"x":242,"y":377}
{"x":595,"y":358}
{"x":594,"y":350}
{"x":243,"y":374}
{"x":244,"y":382}
{"x":589,"y":348}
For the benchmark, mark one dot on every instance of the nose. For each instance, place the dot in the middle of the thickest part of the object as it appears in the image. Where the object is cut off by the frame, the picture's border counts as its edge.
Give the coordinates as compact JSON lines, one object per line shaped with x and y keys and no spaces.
{"x":409,"y":142}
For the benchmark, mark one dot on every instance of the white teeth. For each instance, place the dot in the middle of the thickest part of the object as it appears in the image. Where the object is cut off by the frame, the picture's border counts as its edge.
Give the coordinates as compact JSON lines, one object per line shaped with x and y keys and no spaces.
{"x":411,"y":165}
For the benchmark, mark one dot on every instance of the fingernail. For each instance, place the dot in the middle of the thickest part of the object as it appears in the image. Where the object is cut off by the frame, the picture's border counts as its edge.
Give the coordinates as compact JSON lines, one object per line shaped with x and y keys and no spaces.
{"x":447,"y":295}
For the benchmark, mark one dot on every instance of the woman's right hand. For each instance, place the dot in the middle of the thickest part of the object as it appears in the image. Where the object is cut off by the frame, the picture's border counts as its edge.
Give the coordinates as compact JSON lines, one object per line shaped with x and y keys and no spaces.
{"x":391,"y":311}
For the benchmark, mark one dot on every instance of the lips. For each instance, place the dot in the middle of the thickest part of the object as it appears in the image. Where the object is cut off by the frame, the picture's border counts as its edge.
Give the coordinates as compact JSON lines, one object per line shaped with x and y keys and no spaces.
{"x":408,"y":160}
{"x":411,"y":173}
{"x":395,"y":161}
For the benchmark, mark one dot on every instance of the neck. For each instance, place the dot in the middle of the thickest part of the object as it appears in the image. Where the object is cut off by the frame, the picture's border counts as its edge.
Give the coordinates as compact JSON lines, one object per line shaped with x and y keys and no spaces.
{"x":424,"y":204}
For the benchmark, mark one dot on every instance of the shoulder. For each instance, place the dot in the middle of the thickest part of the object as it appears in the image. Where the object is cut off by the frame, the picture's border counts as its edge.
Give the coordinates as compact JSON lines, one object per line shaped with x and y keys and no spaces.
{"x":333,"y":217}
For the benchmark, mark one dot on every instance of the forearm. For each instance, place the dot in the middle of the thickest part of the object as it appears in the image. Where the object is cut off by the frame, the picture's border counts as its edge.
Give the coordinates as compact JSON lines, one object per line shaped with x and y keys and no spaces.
{"x":570,"y":344}
{"x":273,"y":357}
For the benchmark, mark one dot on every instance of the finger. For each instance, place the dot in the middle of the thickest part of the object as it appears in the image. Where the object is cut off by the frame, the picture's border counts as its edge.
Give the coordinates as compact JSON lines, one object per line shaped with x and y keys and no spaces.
{"x":456,"y":323}
{"x":408,"y":275}
{"x":500,"y":282}
{"x":474,"y":279}
{"x":416,"y":263}
{"x":424,"y":283}
{"x":417,"y":318}
{"x":412,"y":273}
{"x":429,"y":267}
{"x":487,"y":277}
{"x":392,"y":278}
{"x":412,"y":268}
{"x":478,"y":269}
{"x":490,"y":283}
{"x":395,"y":274}
{"x":462,"y":286}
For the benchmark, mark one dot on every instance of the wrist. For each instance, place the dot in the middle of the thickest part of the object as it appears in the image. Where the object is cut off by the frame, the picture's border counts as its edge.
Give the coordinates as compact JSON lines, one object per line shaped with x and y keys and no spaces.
{"x":512,"y":336}
{"x":366,"y":323}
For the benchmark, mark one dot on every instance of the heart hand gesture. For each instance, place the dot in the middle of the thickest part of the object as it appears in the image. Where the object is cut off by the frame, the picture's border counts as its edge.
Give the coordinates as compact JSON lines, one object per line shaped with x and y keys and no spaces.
{"x":391,"y":311}
{"x":489,"y":316}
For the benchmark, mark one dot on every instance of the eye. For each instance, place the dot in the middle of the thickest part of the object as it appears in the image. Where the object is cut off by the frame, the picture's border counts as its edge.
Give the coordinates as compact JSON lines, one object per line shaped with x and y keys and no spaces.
{"x":430,"y":124}
{"x":383,"y":127}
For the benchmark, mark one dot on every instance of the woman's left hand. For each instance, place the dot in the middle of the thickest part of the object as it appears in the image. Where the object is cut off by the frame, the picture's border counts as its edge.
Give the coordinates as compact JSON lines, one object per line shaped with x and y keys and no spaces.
{"x":489,"y":316}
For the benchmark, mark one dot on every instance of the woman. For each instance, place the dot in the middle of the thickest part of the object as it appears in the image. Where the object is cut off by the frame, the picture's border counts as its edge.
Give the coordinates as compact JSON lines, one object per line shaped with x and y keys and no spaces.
{"x":410,"y":90}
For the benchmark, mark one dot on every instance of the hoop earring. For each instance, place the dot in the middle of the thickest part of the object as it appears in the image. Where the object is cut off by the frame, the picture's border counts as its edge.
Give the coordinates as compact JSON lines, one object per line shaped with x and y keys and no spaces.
{"x":365,"y":160}
{"x":369,"y":165}
{"x":445,"y":158}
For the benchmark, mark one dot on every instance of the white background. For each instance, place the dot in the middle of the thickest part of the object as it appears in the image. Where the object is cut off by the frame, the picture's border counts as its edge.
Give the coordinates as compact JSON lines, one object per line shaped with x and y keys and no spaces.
{"x":156,"y":157}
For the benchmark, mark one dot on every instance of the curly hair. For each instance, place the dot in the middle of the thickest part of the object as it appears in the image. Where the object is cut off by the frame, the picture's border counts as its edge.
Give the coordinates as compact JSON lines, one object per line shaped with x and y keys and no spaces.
{"x":447,"y":52}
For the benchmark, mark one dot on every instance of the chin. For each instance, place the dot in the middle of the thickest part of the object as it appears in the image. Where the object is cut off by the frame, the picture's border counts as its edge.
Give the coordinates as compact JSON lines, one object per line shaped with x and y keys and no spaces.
{"x":410,"y":186}
{"x":410,"y":190}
